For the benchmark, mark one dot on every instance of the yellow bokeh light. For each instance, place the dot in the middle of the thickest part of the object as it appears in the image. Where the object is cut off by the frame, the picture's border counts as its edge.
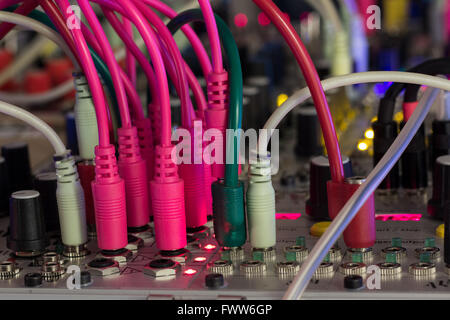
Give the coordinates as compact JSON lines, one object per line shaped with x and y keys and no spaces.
{"x":374,"y":119}
{"x":398,"y":117}
{"x":369,"y":134}
{"x":363,"y":146}
{"x":281,"y":99}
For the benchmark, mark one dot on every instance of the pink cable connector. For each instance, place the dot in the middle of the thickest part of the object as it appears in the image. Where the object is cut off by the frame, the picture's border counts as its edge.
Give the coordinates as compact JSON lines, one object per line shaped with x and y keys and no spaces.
{"x":133,"y":170}
{"x":108,"y":190}
{"x":194,"y":181}
{"x":167,"y":191}
{"x":216,"y":116}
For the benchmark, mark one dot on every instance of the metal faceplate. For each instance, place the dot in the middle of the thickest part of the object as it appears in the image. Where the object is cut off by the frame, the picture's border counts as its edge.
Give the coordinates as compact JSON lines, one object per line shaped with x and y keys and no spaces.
{"x":133,"y":283}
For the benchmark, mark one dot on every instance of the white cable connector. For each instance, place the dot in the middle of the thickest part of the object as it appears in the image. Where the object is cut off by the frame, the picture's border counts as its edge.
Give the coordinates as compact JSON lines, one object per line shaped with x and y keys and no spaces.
{"x":341,"y":58}
{"x":261,"y":205}
{"x":70,"y":198}
{"x":85,"y":119}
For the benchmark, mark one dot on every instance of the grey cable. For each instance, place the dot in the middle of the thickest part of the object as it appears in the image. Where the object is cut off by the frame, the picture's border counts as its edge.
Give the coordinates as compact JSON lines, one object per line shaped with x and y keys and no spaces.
{"x":358,"y":199}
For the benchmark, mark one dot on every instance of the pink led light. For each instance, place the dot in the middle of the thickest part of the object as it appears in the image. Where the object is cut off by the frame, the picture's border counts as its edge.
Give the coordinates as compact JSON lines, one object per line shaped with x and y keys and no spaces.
{"x":210,"y":247}
{"x":399,"y":217}
{"x":240,"y":20}
{"x":287,"y":216}
{"x":190,"y":272}
{"x":263,"y":20}
{"x":200,"y":259}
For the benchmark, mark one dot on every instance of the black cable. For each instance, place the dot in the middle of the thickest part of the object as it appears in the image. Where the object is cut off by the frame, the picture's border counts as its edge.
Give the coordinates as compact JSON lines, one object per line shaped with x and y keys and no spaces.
{"x":387,"y":103}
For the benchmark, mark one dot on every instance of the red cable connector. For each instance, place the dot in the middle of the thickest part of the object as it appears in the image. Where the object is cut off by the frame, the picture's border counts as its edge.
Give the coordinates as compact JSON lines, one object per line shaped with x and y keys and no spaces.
{"x":194,"y":182}
{"x":360,"y":233}
{"x":217,"y":115}
{"x":133,"y":170}
{"x":408,"y":109}
{"x":167,"y":191}
{"x":108,"y":190}
{"x":86,"y":171}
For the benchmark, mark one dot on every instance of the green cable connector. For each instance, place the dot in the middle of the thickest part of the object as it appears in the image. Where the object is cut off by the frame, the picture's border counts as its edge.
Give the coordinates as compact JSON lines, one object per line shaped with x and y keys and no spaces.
{"x":357,"y":257}
{"x":396,"y":242}
{"x":300,"y":241}
{"x":229,"y":214}
{"x":425,"y":257}
{"x":430,"y":242}
{"x":391,"y":257}
{"x":327,"y":258}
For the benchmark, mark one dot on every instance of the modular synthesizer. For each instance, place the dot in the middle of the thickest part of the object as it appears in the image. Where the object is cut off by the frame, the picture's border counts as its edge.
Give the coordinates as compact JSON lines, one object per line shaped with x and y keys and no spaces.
{"x":225,"y":150}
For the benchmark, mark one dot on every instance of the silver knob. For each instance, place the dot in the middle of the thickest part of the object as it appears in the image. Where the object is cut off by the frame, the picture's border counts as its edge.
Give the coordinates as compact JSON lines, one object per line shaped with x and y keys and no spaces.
{"x":389,"y":269}
{"x":289,"y":268}
{"x":422,"y":269}
{"x":299,"y":253}
{"x":353,"y":268}
{"x":221,"y":266}
{"x":253,"y":267}
{"x":265,"y":254}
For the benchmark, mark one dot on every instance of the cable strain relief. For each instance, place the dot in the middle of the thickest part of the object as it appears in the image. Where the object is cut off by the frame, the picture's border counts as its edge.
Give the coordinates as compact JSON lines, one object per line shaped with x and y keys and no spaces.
{"x":66,"y":170}
{"x":166,"y":170}
{"x":106,"y":170}
{"x":260,"y":170}
{"x":217,"y":90}
{"x":129,"y":150}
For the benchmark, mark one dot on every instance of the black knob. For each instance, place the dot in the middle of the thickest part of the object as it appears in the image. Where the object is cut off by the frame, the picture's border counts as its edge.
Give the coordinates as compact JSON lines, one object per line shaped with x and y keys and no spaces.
{"x":308,"y":132}
{"x":214,"y":281}
{"x":101,"y":263}
{"x":33,"y":279}
{"x":45,"y":184}
{"x":319,"y":175}
{"x":438,"y":205}
{"x":353,"y":282}
{"x":384,"y":136}
{"x":27,"y":226}
{"x":414,"y":162}
{"x":85,"y":278}
{"x":4,"y":192}
{"x":18,"y":164}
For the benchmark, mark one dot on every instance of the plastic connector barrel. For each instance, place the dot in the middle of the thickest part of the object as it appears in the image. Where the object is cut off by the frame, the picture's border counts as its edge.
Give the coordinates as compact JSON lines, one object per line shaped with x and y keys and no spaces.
{"x":85,"y":119}
{"x":108,"y":190}
{"x":167,"y":192}
{"x":384,"y":136}
{"x":71,"y":205}
{"x":229,"y":214}
{"x":360,"y":233}
{"x":216,"y":116}
{"x":133,"y":171}
{"x":261,"y":205}
{"x":193,"y":175}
